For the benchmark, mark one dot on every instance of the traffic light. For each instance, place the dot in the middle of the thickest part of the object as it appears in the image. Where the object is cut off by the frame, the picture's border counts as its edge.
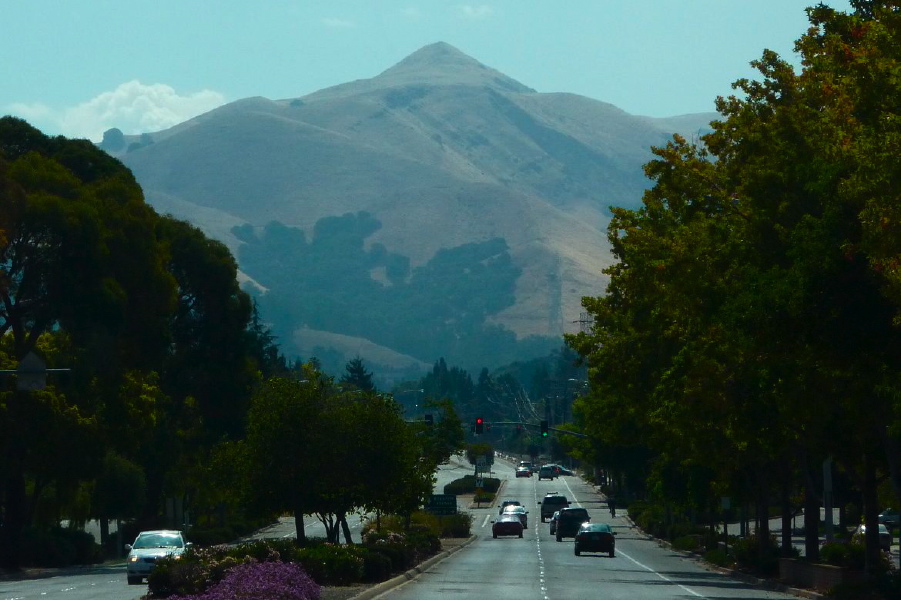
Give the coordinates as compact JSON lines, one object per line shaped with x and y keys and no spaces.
{"x":544,"y":429}
{"x":480,"y":425}
{"x":429,"y":421}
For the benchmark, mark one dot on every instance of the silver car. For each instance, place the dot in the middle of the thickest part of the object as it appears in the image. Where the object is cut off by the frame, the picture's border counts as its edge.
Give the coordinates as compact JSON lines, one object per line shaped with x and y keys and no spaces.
{"x":517,"y":511}
{"x":149,"y":547}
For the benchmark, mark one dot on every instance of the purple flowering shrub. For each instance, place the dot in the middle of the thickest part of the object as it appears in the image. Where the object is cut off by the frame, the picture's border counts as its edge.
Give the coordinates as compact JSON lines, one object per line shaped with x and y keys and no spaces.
{"x":199,"y":568}
{"x":261,"y":581}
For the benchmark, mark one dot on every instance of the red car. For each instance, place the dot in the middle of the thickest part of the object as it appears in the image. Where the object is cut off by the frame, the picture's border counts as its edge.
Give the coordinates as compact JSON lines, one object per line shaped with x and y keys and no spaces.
{"x":507,"y":525}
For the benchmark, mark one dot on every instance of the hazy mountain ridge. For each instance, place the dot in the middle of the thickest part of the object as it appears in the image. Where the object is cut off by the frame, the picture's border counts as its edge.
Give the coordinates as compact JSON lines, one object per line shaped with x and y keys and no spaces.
{"x":443,"y":151}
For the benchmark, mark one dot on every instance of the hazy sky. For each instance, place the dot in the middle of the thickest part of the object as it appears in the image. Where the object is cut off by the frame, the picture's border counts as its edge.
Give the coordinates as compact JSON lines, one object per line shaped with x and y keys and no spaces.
{"x":79,"y":67}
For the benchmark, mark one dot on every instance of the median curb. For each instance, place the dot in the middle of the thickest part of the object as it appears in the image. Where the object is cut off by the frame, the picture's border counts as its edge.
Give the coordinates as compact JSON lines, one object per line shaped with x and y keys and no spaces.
{"x":381,"y":588}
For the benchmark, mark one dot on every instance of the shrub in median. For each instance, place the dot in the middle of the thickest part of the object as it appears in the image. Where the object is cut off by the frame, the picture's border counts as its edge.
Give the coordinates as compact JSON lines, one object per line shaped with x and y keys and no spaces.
{"x":380,"y":556}
{"x":256,"y":580}
{"x":467,"y":485}
{"x":456,"y":526}
{"x":761,"y":560}
{"x":843,"y":554}
{"x":329,"y":564}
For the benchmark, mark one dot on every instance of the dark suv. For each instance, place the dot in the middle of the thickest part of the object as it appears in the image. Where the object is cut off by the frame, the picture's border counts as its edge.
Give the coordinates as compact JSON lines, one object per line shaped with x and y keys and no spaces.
{"x":551,"y":504}
{"x":569,"y":520}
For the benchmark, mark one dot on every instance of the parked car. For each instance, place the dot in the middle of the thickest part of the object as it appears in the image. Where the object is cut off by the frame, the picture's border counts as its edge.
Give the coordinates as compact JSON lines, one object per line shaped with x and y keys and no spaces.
{"x":519,"y":512}
{"x":546,"y":472}
{"x":565,"y":471}
{"x":149,"y":547}
{"x":568,"y":522}
{"x":890,"y":518}
{"x":595,"y":537}
{"x":523,"y":472}
{"x":885,"y":536}
{"x":553,"y":521}
{"x":552,"y":503}
{"x":507,"y":503}
{"x":507,"y":525}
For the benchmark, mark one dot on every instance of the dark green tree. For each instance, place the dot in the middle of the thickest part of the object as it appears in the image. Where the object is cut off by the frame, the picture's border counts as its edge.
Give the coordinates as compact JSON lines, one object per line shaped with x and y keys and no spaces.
{"x":289,"y":446}
{"x":755,"y":297}
{"x":211,"y":357}
{"x":357,"y":376}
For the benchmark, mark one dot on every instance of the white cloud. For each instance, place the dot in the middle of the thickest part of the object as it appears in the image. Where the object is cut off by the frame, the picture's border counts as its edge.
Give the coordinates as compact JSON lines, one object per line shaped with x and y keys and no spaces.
{"x":338,"y":23}
{"x":482,"y":11}
{"x":132,"y":107}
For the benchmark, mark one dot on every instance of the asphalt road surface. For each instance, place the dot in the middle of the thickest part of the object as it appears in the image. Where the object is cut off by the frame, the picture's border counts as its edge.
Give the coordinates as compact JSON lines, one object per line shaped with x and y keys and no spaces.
{"x":540,"y":568}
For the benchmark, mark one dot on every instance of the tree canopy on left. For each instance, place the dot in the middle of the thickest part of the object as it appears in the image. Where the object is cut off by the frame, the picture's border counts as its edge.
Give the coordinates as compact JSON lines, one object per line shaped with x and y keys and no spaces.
{"x":162,"y":345}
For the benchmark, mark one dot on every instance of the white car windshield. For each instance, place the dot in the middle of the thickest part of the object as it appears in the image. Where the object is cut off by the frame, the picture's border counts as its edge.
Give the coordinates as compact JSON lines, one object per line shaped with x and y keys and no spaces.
{"x":158,"y":541}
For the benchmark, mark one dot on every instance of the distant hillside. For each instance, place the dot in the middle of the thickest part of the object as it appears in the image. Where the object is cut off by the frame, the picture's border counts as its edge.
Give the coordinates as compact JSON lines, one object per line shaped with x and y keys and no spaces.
{"x":439,"y":152}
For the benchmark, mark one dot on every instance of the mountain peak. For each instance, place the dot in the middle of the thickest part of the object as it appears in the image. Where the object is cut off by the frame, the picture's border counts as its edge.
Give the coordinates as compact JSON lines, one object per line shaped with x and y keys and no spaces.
{"x":442,"y":63}
{"x":439,"y":54}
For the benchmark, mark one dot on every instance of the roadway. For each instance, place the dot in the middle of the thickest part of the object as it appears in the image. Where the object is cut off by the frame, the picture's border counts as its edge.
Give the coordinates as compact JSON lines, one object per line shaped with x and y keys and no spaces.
{"x":535,"y":567}
{"x":540,"y":568}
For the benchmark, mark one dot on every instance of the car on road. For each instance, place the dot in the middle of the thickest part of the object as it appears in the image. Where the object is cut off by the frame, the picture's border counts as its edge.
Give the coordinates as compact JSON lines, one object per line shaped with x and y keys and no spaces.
{"x":885,"y":536}
{"x":552,"y":503}
{"x":523,"y":472}
{"x":595,"y":537}
{"x":553,"y":522}
{"x":507,"y":525}
{"x":565,"y":471}
{"x":519,"y":512}
{"x":149,"y":547}
{"x":890,"y":518}
{"x":568,"y":522}
{"x":546,"y":472}
{"x":507,"y":503}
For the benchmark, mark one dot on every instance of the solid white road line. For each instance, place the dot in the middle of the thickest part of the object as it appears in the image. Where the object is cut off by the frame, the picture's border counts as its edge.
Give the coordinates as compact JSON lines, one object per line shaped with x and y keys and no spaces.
{"x":660,"y":575}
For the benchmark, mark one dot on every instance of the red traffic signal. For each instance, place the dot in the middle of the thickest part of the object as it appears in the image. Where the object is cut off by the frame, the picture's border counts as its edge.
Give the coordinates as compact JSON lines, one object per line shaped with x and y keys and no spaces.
{"x":480,"y":423}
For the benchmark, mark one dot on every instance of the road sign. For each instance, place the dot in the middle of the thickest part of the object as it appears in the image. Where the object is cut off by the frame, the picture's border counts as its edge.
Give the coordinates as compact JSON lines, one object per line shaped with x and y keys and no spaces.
{"x":442,"y":504}
{"x":480,"y":483}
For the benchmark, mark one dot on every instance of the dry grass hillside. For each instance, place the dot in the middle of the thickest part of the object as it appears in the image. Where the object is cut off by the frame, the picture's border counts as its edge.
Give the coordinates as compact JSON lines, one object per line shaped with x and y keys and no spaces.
{"x":443,"y":151}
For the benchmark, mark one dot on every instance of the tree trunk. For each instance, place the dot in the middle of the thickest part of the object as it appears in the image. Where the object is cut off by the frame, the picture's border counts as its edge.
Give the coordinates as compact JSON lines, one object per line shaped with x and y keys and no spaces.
{"x":893,"y":456}
{"x":786,"y":545}
{"x":763,"y":514}
{"x":346,"y":529}
{"x":299,"y":527}
{"x":871,"y":516}
{"x":104,"y":533}
{"x":13,"y":511}
{"x":811,"y":514}
{"x":13,"y":517}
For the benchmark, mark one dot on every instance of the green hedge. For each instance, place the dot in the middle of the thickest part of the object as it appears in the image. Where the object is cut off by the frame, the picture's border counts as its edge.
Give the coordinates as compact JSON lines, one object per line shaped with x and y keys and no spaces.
{"x":467,"y":485}
{"x":379,"y":558}
{"x":750,"y":556}
{"x":58,"y":547}
{"x":332,"y":565}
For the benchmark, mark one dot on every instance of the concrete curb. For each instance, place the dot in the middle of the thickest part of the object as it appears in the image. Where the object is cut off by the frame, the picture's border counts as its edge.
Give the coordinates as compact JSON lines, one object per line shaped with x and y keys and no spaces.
{"x":381,"y":588}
